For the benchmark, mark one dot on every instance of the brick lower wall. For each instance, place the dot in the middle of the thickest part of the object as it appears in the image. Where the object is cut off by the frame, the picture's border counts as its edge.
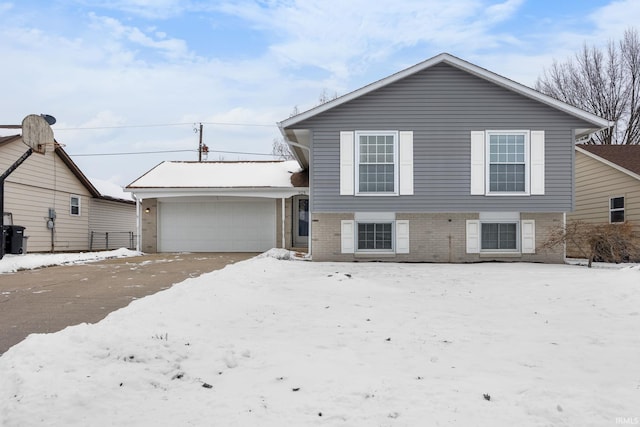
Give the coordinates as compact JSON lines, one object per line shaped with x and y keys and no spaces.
{"x":149,"y":223}
{"x":433,"y":237}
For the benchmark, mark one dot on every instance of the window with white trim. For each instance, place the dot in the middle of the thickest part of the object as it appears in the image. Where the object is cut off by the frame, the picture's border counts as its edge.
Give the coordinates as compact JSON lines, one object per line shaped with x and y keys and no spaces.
{"x":377,"y":162}
{"x":616,"y":209}
{"x":507,"y":162}
{"x":74,"y":205}
{"x":375,"y":236}
{"x":499,"y":236}
{"x":507,"y":166}
{"x":375,"y":233}
{"x":496,"y":232}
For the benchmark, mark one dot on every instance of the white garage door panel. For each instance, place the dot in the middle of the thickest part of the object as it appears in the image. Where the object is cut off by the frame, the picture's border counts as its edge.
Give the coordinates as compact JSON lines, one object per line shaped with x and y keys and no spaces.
{"x":217,"y":226}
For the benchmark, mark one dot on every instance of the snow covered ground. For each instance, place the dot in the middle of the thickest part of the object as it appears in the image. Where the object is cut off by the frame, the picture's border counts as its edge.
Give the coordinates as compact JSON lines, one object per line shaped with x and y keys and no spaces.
{"x":11,"y":263}
{"x":269,"y":342}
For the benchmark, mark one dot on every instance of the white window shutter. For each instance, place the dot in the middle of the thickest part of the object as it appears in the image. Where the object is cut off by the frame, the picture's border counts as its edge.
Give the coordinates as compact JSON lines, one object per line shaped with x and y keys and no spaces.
{"x":347,"y":172}
{"x":477,"y":163}
{"x":528,"y":239}
{"x":402,"y":237}
{"x":537,"y":162}
{"x":406,"y":163}
{"x":347,"y":236}
{"x":473,"y":236}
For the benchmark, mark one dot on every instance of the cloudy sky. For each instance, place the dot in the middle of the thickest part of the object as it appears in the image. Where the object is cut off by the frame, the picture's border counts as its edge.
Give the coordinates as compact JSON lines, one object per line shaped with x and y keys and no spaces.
{"x":138,"y":76}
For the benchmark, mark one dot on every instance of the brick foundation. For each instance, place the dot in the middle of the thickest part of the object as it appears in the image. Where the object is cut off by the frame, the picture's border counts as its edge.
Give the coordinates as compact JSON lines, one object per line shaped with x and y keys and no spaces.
{"x":434,"y":237}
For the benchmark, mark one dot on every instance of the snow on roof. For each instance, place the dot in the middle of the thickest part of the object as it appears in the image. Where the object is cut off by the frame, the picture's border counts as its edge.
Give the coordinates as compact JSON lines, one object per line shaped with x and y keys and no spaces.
{"x":110,"y":189}
{"x":258,"y":174}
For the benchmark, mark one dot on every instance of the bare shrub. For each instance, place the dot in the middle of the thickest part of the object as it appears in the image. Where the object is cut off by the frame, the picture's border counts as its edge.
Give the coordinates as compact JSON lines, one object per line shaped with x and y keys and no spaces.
{"x":598,"y":242}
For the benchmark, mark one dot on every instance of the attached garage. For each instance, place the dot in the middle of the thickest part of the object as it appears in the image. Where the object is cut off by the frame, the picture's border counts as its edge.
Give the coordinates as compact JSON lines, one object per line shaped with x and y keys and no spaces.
{"x":249,"y":206}
{"x":246,"y":225}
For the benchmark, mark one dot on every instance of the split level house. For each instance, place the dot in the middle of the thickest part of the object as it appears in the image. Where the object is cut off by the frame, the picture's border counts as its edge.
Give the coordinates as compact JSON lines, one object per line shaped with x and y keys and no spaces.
{"x":59,"y":207}
{"x":444,"y":161}
{"x":607,"y":189}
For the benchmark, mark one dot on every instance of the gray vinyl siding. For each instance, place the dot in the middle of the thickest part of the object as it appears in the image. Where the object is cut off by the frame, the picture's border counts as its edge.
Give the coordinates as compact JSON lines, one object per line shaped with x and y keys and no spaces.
{"x":442,"y":105}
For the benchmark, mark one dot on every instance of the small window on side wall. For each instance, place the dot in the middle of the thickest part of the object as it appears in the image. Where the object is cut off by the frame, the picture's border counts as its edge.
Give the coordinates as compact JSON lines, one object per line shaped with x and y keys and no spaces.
{"x":74,"y":202}
{"x":616,"y":209}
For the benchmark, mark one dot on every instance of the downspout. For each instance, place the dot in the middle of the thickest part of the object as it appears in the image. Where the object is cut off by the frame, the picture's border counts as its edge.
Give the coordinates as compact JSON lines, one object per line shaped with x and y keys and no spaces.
{"x":564,"y":243}
{"x":284,"y":245}
{"x":138,"y":223}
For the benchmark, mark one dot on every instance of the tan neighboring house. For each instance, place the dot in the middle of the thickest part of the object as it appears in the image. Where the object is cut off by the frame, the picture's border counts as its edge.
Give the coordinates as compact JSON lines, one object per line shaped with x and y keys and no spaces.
{"x":60,"y":208}
{"x":607,"y":185}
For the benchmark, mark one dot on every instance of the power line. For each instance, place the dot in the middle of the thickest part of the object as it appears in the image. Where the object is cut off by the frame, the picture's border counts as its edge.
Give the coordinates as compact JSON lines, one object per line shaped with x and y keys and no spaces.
{"x":169,"y":151}
{"x":132,"y":153}
{"x":166,"y":125}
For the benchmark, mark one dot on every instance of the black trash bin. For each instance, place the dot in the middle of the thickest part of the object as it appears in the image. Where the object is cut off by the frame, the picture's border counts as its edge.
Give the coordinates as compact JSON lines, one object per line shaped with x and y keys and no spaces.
{"x":14,"y":239}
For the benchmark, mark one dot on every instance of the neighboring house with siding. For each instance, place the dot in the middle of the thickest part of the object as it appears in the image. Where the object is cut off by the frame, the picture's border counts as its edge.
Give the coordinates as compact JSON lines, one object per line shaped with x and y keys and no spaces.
{"x":53,"y":185}
{"x":442,"y":162}
{"x":607,"y":186}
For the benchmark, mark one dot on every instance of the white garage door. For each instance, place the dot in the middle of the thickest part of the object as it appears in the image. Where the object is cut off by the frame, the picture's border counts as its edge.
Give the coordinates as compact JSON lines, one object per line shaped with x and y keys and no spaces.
{"x":221,"y":226}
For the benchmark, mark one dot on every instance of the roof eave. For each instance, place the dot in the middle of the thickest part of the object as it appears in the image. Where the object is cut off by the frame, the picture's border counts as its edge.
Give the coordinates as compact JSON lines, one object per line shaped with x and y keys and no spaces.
{"x":76,"y":171}
{"x":608,"y":163}
{"x":259,"y":192}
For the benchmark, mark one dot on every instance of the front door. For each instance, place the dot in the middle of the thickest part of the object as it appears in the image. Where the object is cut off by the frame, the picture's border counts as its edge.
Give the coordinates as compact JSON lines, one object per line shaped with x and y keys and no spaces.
{"x":300,"y":221}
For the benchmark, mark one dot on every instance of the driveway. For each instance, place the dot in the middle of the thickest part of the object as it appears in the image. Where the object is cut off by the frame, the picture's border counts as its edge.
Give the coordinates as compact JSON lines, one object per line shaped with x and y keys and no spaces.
{"x":50,"y":299}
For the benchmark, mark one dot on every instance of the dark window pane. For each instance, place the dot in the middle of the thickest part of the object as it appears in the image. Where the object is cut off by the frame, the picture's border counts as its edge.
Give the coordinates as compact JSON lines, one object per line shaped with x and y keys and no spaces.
{"x":489,"y":236}
{"x":617,"y":203}
{"x":303,"y":217}
{"x":499,"y":236}
{"x":375,"y":236}
{"x":617,"y":216}
{"x":507,"y":236}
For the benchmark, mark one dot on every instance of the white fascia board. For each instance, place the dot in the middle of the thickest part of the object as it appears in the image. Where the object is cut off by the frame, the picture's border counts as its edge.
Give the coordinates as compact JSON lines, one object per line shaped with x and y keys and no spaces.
{"x":608,"y":163}
{"x":269,"y":193}
{"x":299,"y":143}
{"x":483,"y":73}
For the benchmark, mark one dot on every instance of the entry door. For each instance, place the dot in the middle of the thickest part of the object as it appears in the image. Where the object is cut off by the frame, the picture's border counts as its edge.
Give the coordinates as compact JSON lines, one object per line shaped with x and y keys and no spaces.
{"x":301,"y":221}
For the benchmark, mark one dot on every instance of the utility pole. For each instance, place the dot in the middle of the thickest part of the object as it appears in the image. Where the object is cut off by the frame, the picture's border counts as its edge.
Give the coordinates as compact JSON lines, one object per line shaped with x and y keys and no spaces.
{"x":200,"y":145}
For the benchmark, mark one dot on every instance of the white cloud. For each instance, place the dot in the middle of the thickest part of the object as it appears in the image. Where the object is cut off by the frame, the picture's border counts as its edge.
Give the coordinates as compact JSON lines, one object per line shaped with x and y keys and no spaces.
{"x":5,"y":7}
{"x":612,"y":19}
{"x":338,"y":36}
{"x":502,"y":11}
{"x":173,"y":48}
{"x":150,"y":9}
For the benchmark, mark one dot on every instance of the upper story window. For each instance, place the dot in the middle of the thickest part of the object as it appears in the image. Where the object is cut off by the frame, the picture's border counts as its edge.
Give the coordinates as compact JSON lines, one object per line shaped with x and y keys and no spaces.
{"x":377,"y":162}
{"x":74,"y":203}
{"x":616,"y":209}
{"x":507,"y":163}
